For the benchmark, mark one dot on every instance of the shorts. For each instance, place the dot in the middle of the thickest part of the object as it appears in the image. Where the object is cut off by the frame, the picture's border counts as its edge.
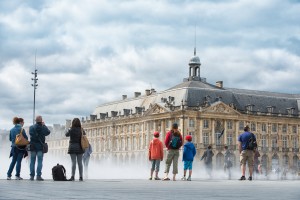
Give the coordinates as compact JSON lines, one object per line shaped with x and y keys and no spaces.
{"x":187,"y":165}
{"x":155,"y":165}
{"x":247,"y":156}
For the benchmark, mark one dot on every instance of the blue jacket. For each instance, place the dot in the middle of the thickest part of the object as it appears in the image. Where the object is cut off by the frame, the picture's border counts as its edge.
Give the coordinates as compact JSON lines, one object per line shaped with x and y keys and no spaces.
{"x":14,"y":132}
{"x":189,"y":152}
{"x":38,"y":133}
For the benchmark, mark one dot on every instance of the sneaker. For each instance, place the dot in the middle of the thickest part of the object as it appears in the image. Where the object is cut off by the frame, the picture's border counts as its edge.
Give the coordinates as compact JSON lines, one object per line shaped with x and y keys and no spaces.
{"x":150,"y":178}
{"x":250,"y":178}
{"x":189,"y":178}
{"x":183,"y":178}
{"x":8,"y":178}
{"x":242,"y":178}
{"x":156,"y":178}
{"x":80,"y":179}
{"x":72,"y":178}
{"x":19,"y":178}
{"x":39,"y":178}
{"x":31,"y":178}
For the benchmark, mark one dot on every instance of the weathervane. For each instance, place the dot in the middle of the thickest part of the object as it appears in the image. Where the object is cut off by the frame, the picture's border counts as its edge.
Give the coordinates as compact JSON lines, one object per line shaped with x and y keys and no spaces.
{"x":34,"y":85}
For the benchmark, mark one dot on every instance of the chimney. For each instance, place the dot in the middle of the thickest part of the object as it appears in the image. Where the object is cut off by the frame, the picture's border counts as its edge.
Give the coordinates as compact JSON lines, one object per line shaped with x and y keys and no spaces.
{"x":124,"y":96}
{"x":137,"y":94}
{"x":147,"y":92}
{"x":219,"y":84}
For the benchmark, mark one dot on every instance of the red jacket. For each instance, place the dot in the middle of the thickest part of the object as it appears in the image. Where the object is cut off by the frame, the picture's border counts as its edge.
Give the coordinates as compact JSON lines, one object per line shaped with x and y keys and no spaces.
{"x":156,"y":150}
{"x":168,"y":139}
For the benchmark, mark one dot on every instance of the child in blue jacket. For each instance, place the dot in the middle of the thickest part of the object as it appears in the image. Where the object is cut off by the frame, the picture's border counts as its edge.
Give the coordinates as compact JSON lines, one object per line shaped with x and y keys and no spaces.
{"x":189,"y":152}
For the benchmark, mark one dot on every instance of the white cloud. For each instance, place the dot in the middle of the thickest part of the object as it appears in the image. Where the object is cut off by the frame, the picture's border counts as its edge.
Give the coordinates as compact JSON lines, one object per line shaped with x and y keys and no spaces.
{"x":91,"y":52}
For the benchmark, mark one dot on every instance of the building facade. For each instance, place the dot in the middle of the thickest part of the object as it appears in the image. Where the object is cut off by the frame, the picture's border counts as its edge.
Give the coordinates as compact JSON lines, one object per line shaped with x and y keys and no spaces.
{"x":120,"y":131}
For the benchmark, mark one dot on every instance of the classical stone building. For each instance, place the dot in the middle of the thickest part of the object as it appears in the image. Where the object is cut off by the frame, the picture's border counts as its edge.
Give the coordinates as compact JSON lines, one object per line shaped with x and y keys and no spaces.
{"x":121,"y":130}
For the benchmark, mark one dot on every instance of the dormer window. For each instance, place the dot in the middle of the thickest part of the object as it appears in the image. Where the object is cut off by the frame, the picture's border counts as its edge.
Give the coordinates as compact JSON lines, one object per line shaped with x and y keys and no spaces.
{"x":270,"y":109}
{"x":290,"y":111}
{"x":249,"y":107}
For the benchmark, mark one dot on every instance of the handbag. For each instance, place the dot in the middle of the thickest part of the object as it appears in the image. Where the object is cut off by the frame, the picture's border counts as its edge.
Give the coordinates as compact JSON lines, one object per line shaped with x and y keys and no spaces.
{"x":45,"y":147}
{"x":84,"y":141}
{"x":20,"y":139}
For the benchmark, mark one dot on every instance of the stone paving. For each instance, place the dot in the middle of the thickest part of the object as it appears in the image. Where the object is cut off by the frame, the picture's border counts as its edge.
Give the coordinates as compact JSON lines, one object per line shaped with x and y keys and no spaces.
{"x":146,"y":189}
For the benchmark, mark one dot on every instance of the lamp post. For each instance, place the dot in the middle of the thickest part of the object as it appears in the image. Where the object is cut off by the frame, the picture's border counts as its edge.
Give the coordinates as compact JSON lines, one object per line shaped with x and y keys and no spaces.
{"x":34,"y":85}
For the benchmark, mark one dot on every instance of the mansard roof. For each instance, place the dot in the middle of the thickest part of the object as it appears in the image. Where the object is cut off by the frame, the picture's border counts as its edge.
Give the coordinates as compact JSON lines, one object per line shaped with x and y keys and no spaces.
{"x":201,"y":93}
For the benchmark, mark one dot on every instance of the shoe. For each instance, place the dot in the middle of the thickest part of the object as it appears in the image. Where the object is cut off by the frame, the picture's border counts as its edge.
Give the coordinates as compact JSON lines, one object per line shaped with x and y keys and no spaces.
{"x":31,"y":178}
{"x":72,"y":178}
{"x":189,"y":178}
{"x":150,"y":178}
{"x":8,"y":178}
{"x":242,"y":178}
{"x":183,"y":178}
{"x":166,"y":179}
{"x":19,"y":178}
{"x":39,"y":178}
{"x":250,"y":178}
{"x":80,"y":179}
{"x":156,"y":178}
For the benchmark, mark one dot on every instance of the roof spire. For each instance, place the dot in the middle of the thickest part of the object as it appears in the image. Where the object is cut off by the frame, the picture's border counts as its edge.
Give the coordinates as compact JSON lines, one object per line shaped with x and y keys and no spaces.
{"x":195,"y":41}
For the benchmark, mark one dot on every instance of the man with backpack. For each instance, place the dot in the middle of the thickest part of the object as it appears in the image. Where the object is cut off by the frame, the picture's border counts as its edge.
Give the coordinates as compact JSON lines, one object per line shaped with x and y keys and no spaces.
{"x":247,"y":144}
{"x":173,"y":142}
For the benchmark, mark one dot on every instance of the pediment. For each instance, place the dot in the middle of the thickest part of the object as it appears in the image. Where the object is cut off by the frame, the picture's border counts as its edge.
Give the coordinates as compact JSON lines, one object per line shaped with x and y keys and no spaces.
{"x":220,"y":108}
{"x":156,"y":109}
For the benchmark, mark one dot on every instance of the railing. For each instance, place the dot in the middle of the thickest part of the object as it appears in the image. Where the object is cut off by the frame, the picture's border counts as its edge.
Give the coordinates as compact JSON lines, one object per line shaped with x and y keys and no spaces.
{"x":285,"y":149}
{"x":275,"y":149}
{"x":295,"y":149}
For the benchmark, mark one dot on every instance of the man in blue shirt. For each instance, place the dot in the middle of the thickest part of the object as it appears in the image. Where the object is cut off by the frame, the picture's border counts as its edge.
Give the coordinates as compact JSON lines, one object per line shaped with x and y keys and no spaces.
{"x":246,"y":154}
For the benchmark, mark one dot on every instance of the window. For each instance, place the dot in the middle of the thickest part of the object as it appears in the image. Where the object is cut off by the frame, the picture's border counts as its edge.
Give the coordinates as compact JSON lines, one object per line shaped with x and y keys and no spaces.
{"x":229,"y":139}
{"x":284,"y":128}
{"x":191,"y":123}
{"x":253,"y":127}
{"x":284,"y":142}
{"x":274,"y":142}
{"x":263,"y":141}
{"x":168,"y":124}
{"x":241,"y":125}
{"x":229,"y":125}
{"x":133,"y":128}
{"x":205,"y":138}
{"x":294,"y":129}
{"x":274,"y":127}
{"x":205,"y":123}
{"x":218,"y":139}
{"x":264,"y":127}
{"x":295,"y":142}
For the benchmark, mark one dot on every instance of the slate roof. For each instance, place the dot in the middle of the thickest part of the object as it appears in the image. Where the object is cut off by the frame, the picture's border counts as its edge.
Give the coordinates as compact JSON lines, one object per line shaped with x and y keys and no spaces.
{"x":196,"y":93}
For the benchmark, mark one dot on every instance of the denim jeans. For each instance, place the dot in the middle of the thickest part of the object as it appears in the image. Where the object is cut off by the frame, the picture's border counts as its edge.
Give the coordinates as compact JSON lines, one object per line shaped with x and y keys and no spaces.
{"x":79,"y":161}
{"x":16,"y":158}
{"x":39,"y":155}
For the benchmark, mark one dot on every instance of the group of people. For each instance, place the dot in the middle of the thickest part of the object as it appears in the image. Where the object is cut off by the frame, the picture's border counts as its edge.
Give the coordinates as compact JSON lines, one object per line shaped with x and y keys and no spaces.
{"x":173,"y":142}
{"x":35,"y":148}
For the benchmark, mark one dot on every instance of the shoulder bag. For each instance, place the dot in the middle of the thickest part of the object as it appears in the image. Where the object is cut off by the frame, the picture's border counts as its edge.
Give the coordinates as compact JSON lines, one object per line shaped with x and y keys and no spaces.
{"x":84,"y":141}
{"x":20,"y":139}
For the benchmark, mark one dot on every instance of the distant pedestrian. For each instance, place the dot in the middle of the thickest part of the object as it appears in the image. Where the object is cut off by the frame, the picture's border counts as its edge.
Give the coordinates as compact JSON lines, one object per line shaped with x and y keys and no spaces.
{"x":227,"y":162}
{"x":17,"y":152}
{"x":38,"y":133}
{"x":75,"y":150}
{"x":207,"y":156}
{"x":246,"y":153}
{"x":156,"y":154}
{"x":86,"y":158}
{"x":173,"y":142}
{"x":189,"y":152}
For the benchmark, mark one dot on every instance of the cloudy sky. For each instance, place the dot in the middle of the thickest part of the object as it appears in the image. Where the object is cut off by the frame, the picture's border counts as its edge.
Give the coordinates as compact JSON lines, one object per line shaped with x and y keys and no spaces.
{"x":91,"y":52}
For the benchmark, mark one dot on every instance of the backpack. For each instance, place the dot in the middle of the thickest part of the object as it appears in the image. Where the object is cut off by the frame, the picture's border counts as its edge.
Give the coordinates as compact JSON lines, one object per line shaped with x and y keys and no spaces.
{"x":175,"y":142}
{"x":252,"y":142}
{"x":59,"y":173}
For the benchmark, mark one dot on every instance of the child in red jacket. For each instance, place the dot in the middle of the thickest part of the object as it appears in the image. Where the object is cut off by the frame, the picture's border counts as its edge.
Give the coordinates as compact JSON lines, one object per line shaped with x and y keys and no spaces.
{"x":156,"y":155}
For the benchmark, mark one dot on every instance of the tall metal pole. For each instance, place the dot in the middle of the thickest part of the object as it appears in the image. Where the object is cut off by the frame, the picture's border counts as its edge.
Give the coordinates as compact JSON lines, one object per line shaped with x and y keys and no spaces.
{"x":34,"y":79}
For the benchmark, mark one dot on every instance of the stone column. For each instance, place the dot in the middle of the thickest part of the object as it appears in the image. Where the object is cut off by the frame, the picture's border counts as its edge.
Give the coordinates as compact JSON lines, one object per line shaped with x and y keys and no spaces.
{"x":213,"y":142}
